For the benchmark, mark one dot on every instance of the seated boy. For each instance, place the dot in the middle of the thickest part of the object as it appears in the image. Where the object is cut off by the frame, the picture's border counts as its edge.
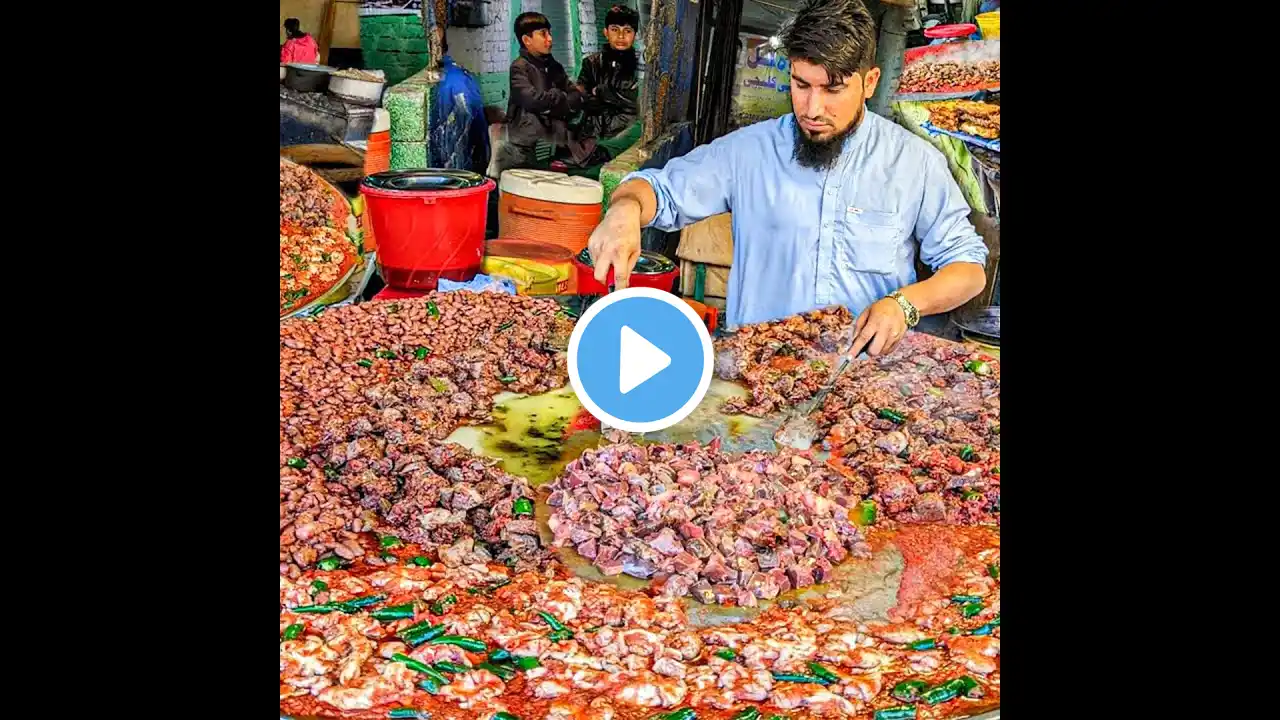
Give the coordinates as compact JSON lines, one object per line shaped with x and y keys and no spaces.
{"x":608,"y":78}
{"x":542,"y":100}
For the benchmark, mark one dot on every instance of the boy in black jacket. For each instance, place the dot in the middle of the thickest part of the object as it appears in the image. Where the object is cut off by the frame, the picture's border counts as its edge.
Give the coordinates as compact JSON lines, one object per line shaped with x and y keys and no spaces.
{"x":608,"y":78}
{"x":542,"y":100}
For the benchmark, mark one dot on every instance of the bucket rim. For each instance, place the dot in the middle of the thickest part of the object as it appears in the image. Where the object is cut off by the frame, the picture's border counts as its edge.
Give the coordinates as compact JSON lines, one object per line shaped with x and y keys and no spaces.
{"x":485,"y":187}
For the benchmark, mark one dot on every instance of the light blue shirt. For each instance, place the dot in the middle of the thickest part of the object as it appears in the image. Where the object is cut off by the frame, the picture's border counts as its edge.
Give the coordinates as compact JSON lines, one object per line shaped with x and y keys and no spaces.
{"x":806,"y":239}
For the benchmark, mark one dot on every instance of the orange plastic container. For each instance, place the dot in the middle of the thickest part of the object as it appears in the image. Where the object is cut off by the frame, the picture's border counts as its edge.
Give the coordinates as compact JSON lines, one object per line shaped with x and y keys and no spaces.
{"x":548,"y":207}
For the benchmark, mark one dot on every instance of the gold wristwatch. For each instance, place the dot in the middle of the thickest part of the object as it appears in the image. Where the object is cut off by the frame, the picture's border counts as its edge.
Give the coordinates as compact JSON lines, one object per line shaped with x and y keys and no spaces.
{"x":913,"y":315}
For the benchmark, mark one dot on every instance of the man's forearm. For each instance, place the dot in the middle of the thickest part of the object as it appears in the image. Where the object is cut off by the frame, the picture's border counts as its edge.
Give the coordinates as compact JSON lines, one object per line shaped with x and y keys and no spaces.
{"x":635,"y":196}
{"x":949,"y":288}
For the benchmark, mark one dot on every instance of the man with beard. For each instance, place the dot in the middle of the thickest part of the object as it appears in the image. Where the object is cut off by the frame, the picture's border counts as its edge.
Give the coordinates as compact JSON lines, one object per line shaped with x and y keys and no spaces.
{"x":831,"y":204}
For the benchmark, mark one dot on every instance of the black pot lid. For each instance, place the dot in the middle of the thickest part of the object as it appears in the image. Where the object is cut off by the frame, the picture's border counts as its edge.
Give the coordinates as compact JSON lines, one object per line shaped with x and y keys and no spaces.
{"x":425,"y":179}
{"x":649,"y":263}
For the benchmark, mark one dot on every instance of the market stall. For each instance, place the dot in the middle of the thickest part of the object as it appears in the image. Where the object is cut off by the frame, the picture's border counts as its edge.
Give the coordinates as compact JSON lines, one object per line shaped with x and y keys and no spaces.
{"x":460,"y":538}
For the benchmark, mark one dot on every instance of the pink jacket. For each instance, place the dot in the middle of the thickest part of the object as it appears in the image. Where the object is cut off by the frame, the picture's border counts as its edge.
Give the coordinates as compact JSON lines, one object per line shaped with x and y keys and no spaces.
{"x":300,"y":50}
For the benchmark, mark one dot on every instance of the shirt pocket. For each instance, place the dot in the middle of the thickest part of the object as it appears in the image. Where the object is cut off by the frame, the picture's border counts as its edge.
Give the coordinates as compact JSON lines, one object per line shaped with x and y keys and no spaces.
{"x":871,"y":241}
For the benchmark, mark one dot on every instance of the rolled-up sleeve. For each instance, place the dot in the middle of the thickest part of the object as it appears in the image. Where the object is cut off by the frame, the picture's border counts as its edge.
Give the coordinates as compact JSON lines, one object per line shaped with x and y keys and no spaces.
{"x":691,"y":187}
{"x":943,"y":227}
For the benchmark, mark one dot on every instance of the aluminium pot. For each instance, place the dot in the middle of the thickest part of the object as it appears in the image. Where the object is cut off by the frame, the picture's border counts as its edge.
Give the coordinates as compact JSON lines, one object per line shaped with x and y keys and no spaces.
{"x":307,"y":78}
{"x":356,"y":92}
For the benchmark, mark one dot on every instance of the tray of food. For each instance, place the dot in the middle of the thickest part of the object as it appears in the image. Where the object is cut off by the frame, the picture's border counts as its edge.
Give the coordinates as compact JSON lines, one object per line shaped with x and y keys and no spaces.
{"x":954,"y":70}
{"x":320,"y":243}
{"x":639,"y":578}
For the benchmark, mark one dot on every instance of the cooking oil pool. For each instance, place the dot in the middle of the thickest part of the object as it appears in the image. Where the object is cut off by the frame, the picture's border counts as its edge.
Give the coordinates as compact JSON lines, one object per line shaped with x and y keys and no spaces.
{"x":527,"y":434}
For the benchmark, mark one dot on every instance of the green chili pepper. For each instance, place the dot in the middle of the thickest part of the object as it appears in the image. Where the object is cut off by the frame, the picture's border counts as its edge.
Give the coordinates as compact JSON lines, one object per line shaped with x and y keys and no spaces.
{"x":500,"y":655}
{"x":364,"y":362}
{"x":909,"y":690}
{"x":783,"y":516}
{"x":430,"y":685}
{"x":422,"y":352}
{"x":385,"y":354}
{"x":994,"y":571}
{"x":779,"y":717}
{"x":798,"y":678}
{"x":551,"y":620}
{"x":330,"y":563}
{"x":902,"y":712}
{"x":449,"y":667}
{"x":927,"y":644}
{"x":387,"y":541}
{"x":994,"y":470}
{"x":560,"y":635}
{"x":293,"y":631}
{"x":505,"y":673}
{"x":407,"y":712}
{"x":439,"y":385}
{"x":748,"y":714}
{"x":394,"y":612}
{"x":319,"y":586}
{"x":962,"y":599}
{"x":866,"y":513}
{"x":388,"y":557}
{"x":347,"y":606}
{"x":971,"y":609}
{"x":995,"y":621}
{"x":504,"y":715}
{"x":995,"y":429}
{"x":968,"y":686}
{"x":971,"y":495}
{"x":507,"y":379}
{"x":527,"y":662}
{"x":939,"y":694}
{"x":888,"y":414}
{"x":364,"y":601}
{"x":953,"y":630}
{"x":821,"y":672}
{"x":978,"y":367}
{"x":522,"y":506}
{"x":296,"y":463}
{"x":982,"y":629}
{"x":440,"y":606}
{"x":432,"y":310}
{"x":727,"y":654}
{"x":330,"y":473}
{"x":421,"y":667}
{"x":506,"y":325}
{"x":935,"y":392}
{"x":966,"y":453}
{"x":466,"y":643}
{"x":421,"y":561}
{"x":415,"y":635}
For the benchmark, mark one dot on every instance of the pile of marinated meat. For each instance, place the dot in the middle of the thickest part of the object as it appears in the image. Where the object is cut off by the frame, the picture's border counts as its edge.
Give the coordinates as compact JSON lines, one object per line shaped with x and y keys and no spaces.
{"x":783,"y":362}
{"x":922,"y":426}
{"x":476,"y":641}
{"x":933,"y":76}
{"x":724,"y":529}
{"x":306,"y":201}
{"x":411,"y":488}
{"x":424,"y":365}
{"x":311,"y":263}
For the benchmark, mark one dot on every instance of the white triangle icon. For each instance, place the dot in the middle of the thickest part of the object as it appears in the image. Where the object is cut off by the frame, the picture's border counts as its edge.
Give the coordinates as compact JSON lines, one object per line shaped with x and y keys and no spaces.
{"x":640,"y":360}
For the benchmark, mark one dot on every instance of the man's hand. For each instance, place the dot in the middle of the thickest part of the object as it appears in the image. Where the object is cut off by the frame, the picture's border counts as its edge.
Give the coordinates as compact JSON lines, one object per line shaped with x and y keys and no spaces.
{"x":879,"y":328}
{"x":616,"y":242}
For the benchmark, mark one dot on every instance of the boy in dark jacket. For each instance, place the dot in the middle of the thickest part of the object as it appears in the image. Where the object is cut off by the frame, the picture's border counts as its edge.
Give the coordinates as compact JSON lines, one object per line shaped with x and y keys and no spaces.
{"x":608,"y":78}
{"x":542,"y":100}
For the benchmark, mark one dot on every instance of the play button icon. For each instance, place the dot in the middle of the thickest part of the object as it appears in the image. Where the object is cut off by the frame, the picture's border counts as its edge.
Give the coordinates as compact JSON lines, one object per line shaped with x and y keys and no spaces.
{"x":640,"y":360}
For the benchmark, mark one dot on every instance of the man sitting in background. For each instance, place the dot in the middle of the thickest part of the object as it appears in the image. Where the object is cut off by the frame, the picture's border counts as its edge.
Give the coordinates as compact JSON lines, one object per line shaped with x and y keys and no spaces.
{"x":299,"y":47}
{"x":542,"y":100}
{"x":608,"y":79}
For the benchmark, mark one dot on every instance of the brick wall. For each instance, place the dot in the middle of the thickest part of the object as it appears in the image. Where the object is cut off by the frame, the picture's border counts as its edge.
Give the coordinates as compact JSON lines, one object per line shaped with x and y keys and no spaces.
{"x":394,"y":44}
{"x":486,"y":53}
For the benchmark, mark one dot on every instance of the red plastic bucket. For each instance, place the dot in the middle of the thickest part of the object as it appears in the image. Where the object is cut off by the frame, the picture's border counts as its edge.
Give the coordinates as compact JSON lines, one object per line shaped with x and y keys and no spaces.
{"x":429,"y":223}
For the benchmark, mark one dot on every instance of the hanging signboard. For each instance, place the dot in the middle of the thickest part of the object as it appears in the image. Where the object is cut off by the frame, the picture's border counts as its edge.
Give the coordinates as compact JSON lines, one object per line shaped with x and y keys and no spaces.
{"x":390,"y":7}
{"x":762,"y":82}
